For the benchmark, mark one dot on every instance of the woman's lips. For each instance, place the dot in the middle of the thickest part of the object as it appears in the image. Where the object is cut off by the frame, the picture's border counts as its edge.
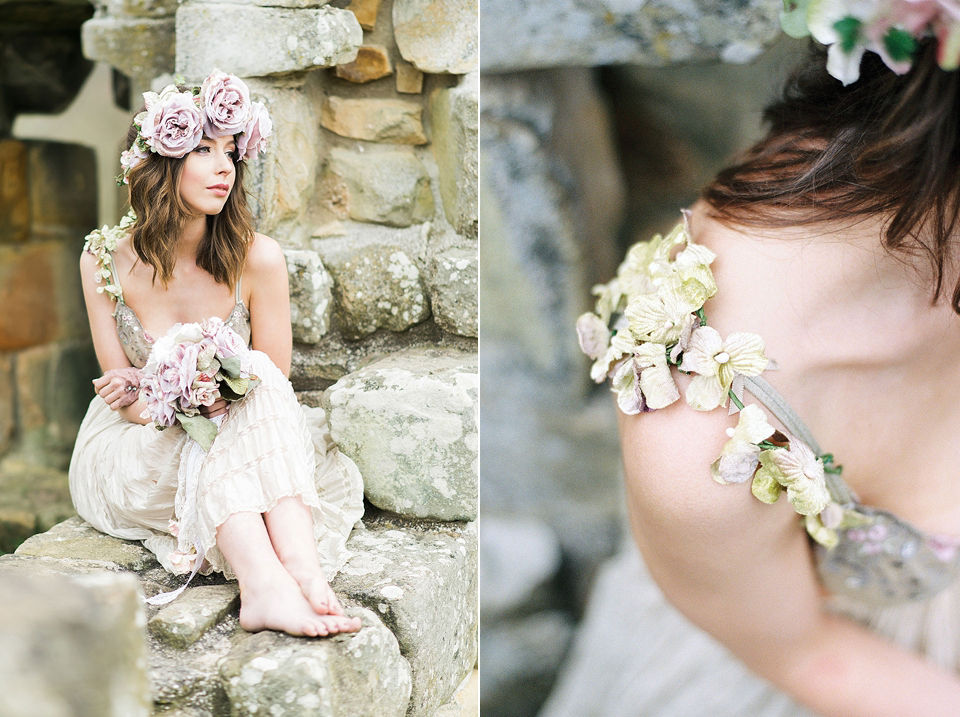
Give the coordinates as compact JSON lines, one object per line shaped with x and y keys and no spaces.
{"x":220,"y":190}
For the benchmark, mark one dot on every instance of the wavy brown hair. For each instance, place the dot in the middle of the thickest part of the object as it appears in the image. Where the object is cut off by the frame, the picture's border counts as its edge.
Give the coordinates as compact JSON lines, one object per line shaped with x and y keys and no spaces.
{"x":162,"y":215}
{"x":885,"y":145}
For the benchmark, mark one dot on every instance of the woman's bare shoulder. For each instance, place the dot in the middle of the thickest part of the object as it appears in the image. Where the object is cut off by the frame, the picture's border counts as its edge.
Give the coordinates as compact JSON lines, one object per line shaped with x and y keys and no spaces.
{"x":265,"y":255}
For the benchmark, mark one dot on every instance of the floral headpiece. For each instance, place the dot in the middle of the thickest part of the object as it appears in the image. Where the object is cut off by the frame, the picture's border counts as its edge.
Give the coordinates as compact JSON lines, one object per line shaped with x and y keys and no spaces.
{"x":889,"y":28}
{"x":174,"y":122}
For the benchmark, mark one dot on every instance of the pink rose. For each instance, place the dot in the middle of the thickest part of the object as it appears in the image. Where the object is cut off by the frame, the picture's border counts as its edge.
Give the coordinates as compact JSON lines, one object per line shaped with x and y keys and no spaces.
{"x":132,"y":157}
{"x":229,"y":343}
{"x":174,"y":126}
{"x":226,"y":104}
{"x":255,"y":133}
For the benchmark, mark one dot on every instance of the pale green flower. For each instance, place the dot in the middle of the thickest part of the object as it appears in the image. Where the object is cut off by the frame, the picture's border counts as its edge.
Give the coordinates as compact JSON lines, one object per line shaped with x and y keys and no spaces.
{"x":663,"y":317}
{"x":593,"y":335}
{"x":740,"y":455}
{"x":620,"y":345}
{"x":649,"y":261}
{"x":717,"y":362}
{"x":643,"y":382}
{"x":799,"y":471}
{"x":626,"y":384}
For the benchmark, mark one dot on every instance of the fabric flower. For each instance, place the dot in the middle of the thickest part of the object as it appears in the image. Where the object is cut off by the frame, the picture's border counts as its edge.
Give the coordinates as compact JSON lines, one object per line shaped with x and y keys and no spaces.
{"x":644,"y":382}
{"x":740,"y":455}
{"x":621,"y":344}
{"x":173,"y":126}
{"x":663,"y":317}
{"x":132,"y":157}
{"x":717,"y":362}
{"x":799,"y":471}
{"x":255,"y":134}
{"x":226,"y":105}
{"x":593,"y":335}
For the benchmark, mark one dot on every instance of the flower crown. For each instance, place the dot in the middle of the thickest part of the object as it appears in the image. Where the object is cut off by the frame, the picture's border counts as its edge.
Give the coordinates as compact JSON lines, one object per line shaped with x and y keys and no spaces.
{"x":175,"y":121}
{"x":889,"y":28}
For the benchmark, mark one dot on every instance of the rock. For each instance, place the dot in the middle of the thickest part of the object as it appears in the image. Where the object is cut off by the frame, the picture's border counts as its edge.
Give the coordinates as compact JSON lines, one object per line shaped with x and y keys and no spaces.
{"x":375,"y":120}
{"x":287,"y":40}
{"x":141,"y":47}
{"x":271,"y":3}
{"x":359,"y":675}
{"x":366,"y":12}
{"x":409,"y":78}
{"x":14,"y":192}
{"x":409,"y":422}
{"x":75,"y":540}
{"x":371,"y":64}
{"x":521,"y":659}
{"x":186,"y":619}
{"x":385,"y":187}
{"x":142,"y":8}
{"x":63,"y":192}
{"x":72,"y":646}
{"x":438,"y":35}
{"x":378,"y":287}
{"x":7,"y":401}
{"x":33,"y":498}
{"x":584,"y":33}
{"x":422,"y":583}
{"x":310,"y":295}
{"x":453,"y":124}
{"x":453,"y":291}
{"x":32,"y":295}
{"x":519,"y":557}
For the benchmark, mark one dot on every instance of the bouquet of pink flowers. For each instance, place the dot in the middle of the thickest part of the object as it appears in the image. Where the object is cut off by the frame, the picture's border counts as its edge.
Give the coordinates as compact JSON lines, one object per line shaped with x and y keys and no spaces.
{"x":193,"y":366}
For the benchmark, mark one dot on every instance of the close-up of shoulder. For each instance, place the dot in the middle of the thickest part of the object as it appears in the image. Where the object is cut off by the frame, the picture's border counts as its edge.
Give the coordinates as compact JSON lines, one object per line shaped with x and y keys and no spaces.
{"x":265,"y":253}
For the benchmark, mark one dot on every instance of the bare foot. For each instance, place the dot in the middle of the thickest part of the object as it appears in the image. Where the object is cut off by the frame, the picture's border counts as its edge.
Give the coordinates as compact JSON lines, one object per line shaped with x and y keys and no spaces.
{"x":279,"y":604}
{"x":313,"y":583}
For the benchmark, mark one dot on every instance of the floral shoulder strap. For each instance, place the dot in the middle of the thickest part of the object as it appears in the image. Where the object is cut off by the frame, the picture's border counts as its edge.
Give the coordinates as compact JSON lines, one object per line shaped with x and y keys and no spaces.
{"x":650,"y":318}
{"x":102,"y":243}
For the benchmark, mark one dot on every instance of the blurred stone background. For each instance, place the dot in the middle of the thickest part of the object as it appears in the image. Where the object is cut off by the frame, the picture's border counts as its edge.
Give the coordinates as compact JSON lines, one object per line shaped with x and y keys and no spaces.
{"x":600,"y":120}
{"x":370,"y":185}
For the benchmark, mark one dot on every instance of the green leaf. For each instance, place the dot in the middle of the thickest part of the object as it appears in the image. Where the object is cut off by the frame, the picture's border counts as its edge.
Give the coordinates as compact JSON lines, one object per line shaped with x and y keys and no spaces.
{"x":231,"y":366}
{"x":849,"y":30}
{"x":200,"y":429}
{"x":900,"y":44}
{"x":238,"y":385}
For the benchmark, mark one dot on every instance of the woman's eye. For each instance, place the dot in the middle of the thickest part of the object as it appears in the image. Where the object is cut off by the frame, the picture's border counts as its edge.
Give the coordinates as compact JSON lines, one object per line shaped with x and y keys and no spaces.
{"x":202,"y":150}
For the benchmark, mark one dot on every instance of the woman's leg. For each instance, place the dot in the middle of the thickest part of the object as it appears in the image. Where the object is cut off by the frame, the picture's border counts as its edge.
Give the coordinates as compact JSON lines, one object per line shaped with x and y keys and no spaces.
{"x":290,"y":526}
{"x":270,"y":598}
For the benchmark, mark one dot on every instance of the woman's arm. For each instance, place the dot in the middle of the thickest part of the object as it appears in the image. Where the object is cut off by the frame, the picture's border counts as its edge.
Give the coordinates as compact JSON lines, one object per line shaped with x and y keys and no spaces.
{"x":743,"y":571}
{"x":269,"y":301}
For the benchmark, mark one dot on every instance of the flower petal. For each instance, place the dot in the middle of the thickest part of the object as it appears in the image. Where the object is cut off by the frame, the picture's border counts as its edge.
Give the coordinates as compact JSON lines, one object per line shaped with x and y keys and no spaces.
{"x":626,"y":385}
{"x":705,"y":393}
{"x":746,"y":353}
{"x":593,"y":335}
{"x":765,"y":487}
{"x":705,"y":343}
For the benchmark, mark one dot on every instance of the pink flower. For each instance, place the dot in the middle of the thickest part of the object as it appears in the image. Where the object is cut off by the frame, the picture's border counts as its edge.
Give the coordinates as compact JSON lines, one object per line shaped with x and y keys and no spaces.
{"x":226,"y":104}
{"x":132,"y":157}
{"x":255,"y":133}
{"x":173,"y":126}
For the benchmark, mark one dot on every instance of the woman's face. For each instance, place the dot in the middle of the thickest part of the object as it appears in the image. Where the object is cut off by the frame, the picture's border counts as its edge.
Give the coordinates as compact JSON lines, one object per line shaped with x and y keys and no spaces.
{"x":208,"y":175}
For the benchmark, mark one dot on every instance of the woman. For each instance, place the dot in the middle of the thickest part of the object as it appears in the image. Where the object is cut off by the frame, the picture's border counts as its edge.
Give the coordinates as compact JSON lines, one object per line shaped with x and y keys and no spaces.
{"x":835,"y":240}
{"x":192,"y":254}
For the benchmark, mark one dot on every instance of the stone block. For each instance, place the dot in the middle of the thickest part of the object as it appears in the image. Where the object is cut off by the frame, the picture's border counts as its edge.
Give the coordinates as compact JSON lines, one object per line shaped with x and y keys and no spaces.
{"x":366,"y":12}
{"x":270,"y":3}
{"x":141,"y":47}
{"x":358,"y":675}
{"x":7,"y":397}
{"x":409,"y":421}
{"x":76,"y":540}
{"x":378,"y":287}
{"x":423,"y":585}
{"x":311,"y":299}
{"x":72,"y":646}
{"x":371,"y":64}
{"x":186,"y":619}
{"x":453,"y":280}
{"x":375,"y":120}
{"x":141,"y":8}
{"x":14,"y":192}
{"x":385,"y":187}
{"x":28,"y":293}
{"x":63,"y":191}
{"x":286,"y":40}
{"x":437,"y":35}
{"x":409,"y":78}
{"x":454,"y":133}
{"x":33,"y":498}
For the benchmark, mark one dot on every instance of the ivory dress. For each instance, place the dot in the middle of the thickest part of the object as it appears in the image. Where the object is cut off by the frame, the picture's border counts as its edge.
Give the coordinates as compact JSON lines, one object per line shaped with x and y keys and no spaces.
{"x":128,"y":480}
{"x":635,"y":655}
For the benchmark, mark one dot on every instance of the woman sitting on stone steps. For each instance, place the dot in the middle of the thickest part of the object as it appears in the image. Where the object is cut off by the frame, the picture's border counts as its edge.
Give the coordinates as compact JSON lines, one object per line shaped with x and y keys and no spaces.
{"x":275,"y":500}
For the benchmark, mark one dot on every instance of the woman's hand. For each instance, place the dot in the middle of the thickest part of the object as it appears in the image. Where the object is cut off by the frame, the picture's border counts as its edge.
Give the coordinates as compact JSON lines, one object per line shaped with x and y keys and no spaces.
{"x":217,"y":408}
{"x":119,"y":387}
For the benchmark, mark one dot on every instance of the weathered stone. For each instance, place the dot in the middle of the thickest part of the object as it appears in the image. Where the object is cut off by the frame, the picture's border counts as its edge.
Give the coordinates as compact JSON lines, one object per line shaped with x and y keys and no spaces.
{"x":63,"y":193}
{"x":376,"y":120}
{"x":358,"y":675}
{"x":585,"y":33}
{"x":453,"y":291}
{"x":454,"y":131}
{"x":33,"y":498}
{"x":409,"y":422}
{"x":14,"y":192}
{"x":7,"y":394}
{"x":140,"y":47}
{"x":437,"y":35}
{"x":141,"y":8}
{"x":272,"y":3}
{"x":386,"y":187}
{"x":186,"y":619}
{"x":287,"y":40}
{"x":74,"y":539}
{"x":311,"y":299}
{"x":371,"y":64}
{"x":409,"y":78}
{"x":72,"y":646}
{"x":378,"y":287}
{"x":366,"y":12}
{"x":422,"y":582}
